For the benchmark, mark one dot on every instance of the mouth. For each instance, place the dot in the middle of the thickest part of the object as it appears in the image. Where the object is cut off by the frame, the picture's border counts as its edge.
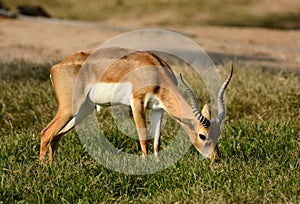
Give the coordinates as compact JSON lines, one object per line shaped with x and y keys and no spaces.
{"x":201,"y":156}
{"x":209,"y":152}
{"x":214,"y":158}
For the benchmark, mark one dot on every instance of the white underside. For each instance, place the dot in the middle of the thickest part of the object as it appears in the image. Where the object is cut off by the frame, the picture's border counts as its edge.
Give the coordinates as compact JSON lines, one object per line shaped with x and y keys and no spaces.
{"x":111,"y":93}
{"x":105,"y":94}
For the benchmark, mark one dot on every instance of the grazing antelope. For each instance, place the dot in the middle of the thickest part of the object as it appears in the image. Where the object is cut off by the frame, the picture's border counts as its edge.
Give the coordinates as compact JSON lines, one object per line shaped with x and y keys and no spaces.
{"x":138,"y":79}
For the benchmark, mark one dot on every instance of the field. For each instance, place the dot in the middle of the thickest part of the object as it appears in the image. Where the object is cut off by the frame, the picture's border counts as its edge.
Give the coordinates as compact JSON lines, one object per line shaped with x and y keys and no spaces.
{"x":260,"y":142}
{"x":259,"y":148}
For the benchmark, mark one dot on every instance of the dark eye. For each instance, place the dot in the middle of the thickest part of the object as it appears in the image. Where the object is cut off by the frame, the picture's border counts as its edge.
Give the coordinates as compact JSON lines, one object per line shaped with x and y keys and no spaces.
{"x":202,"y":137}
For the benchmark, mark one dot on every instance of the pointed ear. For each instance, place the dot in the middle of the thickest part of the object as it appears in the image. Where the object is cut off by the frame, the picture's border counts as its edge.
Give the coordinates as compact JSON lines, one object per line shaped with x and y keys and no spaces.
{"x":206,"y":111}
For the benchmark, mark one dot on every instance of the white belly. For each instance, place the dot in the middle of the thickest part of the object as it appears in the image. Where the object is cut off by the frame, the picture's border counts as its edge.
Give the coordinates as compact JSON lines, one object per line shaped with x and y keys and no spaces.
{"x":104,"y":94}
{"x":111,"y":93}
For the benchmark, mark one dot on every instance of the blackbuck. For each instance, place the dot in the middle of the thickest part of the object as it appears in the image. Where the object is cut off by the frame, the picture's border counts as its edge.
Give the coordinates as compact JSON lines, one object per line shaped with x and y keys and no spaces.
{"x":138,"y":79}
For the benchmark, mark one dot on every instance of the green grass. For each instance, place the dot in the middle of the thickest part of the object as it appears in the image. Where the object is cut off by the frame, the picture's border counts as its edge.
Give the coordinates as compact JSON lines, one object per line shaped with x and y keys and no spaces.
{"x":259,"y":148}
{"x":177,"y":12}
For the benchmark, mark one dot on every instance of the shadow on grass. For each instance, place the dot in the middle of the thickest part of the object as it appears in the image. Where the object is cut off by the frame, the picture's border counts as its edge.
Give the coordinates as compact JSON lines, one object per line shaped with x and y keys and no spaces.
{"x":23,"y":71}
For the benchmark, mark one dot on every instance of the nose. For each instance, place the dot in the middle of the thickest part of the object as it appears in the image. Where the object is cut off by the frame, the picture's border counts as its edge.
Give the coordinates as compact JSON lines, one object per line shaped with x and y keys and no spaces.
{"x":215,"y":156}
{"x":215,"y":159}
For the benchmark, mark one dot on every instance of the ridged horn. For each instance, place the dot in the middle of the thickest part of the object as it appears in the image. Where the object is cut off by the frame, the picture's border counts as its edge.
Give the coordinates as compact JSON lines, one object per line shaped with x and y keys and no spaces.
{"x":194,"y":103}
{"x":220,"y":102}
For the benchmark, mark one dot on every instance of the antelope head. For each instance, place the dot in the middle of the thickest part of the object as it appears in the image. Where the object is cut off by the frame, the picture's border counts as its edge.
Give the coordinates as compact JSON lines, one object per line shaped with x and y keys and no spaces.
{"x":208,"y":130}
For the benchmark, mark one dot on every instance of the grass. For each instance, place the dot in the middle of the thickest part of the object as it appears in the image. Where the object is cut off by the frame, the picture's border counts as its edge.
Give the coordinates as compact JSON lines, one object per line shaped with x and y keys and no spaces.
{"x":269,"y":20}
{"x":259,"y":148}
{"x":180,"y":12}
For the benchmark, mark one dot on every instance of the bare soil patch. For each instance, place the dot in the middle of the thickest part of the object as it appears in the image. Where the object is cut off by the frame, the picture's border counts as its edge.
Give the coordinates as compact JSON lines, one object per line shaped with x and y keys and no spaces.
{"x":48,"y":41}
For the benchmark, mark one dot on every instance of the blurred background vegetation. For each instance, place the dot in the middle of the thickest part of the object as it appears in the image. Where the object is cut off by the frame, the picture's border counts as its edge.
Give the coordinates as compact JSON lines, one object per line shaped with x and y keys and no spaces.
{"x":280,"y":14}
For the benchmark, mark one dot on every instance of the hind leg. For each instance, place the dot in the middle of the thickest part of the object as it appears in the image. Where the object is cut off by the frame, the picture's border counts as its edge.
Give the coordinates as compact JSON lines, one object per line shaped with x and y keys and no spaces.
{"x":55,"y":139}
{"x":86,"y":109}
{"x":47,"y":135}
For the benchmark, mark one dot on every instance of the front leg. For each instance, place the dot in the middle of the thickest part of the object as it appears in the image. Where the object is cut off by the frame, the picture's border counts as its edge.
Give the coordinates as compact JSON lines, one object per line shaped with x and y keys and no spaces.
{"x":156,"y":119}
{"x":138,"y":111}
